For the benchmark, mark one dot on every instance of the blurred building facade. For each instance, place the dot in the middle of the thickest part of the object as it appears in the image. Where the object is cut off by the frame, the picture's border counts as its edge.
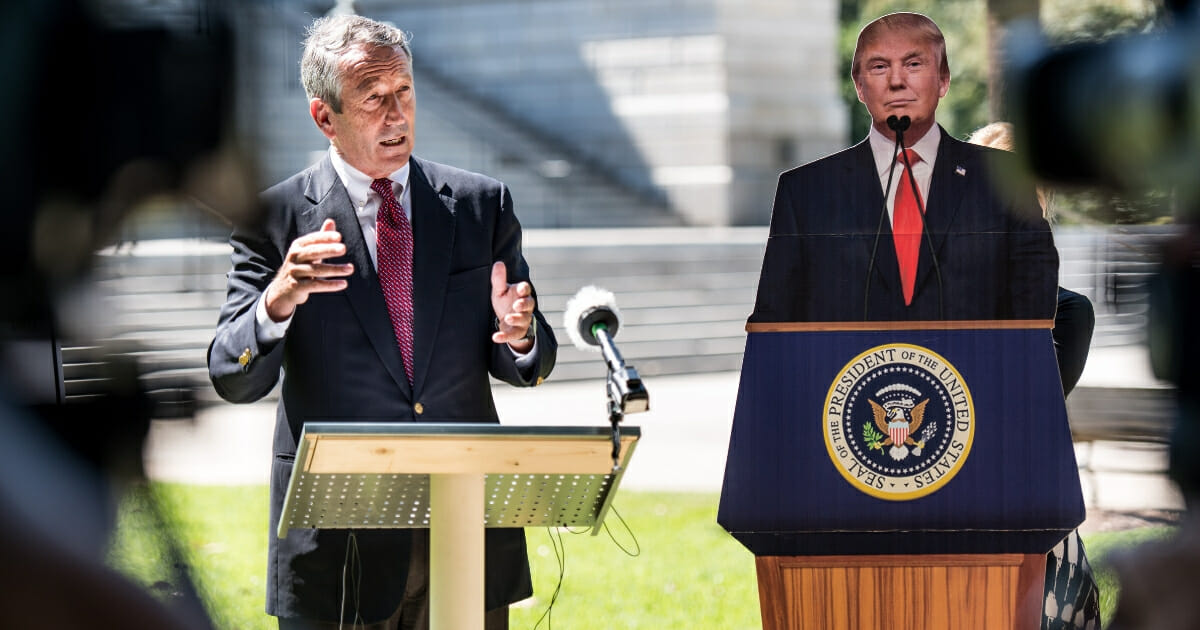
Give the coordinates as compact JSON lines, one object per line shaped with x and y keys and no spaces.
{"x":597,"y":113}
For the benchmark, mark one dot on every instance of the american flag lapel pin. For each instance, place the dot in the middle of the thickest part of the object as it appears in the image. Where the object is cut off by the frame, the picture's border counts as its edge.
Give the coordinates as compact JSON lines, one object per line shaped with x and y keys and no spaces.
{"x":960,"y":171}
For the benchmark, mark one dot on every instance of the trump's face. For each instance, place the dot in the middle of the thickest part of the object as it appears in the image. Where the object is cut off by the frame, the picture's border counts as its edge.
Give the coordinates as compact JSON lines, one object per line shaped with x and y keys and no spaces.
{"x":374,"y":130}
{"x":899,"y":76}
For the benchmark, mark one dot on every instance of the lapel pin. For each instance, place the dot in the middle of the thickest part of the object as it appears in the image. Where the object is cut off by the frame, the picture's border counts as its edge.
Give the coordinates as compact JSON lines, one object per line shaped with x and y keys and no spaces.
{"x":960,"y":171}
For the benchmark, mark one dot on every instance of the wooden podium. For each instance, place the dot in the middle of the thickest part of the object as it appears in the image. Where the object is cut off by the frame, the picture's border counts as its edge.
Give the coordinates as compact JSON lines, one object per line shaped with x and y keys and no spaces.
{"x":455,"y":479}
{"x":900,"y":475}
{"x":981,"y":591}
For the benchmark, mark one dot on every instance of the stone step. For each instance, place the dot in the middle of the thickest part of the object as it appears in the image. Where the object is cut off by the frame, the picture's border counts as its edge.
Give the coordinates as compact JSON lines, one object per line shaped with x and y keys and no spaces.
{"x":151,"y":293}
{"x":684,"y":295}
{"x":1130,"y":413}
{"x":552,"y":185}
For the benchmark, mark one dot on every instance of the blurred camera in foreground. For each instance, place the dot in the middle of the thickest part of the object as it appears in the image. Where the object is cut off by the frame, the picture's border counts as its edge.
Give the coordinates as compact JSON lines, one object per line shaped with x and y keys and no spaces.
{"x":1122,"y":114}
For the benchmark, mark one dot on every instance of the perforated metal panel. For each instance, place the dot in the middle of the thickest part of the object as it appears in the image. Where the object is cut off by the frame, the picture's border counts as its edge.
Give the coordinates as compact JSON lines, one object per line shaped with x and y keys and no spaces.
{"x":402,"y":501}
{"x":362,"y":500}
{"x":542,"y":500}
{"x":358,"y":501}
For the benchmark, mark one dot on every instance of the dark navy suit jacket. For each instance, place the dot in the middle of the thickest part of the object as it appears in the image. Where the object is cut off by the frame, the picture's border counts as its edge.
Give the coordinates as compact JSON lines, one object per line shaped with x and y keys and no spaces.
{"x":995,"y":252}
{"x":341,"y":362}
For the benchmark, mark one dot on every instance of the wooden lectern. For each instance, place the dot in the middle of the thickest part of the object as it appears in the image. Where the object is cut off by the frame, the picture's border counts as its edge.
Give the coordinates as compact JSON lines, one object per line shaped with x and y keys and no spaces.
{"x":900,"y":475}
{"x":455,"y":479}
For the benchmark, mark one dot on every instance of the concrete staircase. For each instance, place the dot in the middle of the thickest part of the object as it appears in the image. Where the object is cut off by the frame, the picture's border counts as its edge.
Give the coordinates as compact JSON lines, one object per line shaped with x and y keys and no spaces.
{"x":552,"y":185}
{"x":684,"y":294}
{"x":1111,"y":266}
{"x":155,"y":302}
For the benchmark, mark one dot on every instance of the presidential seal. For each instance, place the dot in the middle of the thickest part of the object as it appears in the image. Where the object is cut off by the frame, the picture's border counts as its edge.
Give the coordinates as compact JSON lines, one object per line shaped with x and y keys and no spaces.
{"x":899,"y":422}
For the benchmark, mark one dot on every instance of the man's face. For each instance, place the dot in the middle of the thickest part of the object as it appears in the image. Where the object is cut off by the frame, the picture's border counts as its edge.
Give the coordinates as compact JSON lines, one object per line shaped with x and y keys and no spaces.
{"x":374,"y":131}
{"x":899,"y":76}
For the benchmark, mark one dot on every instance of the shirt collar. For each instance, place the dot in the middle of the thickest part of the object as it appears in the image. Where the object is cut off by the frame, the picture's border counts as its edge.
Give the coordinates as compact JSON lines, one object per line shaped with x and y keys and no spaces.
{"x":357,"y":183}
{"x":883,"y":148}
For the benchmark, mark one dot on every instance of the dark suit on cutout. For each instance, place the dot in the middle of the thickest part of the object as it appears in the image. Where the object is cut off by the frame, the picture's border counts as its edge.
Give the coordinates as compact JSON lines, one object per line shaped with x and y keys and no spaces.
{"x":342,"y":363}
{"x":996,"y":253}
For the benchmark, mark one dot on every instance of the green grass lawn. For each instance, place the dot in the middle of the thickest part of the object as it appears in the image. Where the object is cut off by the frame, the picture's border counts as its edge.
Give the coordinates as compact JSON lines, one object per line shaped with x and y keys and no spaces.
{"x":1100,"y":545}
{"x":223,"y":536}
{"x":688,"y":570}
{"x":689,"y":573}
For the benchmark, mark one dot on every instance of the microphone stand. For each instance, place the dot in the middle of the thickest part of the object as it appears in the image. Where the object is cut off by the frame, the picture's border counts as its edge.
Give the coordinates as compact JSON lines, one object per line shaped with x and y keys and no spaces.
{"x":898,"y":125}
{"x":626,"y":393}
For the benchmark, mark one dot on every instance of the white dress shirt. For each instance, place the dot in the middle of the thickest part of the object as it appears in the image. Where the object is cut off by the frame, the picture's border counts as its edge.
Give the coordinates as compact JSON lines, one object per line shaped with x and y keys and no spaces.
{"x":883,"y":149}
{"x":366,"y":201}
{"x":366,"y":208}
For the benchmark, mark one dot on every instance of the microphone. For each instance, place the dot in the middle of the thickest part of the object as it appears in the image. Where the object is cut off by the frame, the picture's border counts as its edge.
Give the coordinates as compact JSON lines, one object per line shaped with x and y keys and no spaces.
{"x":592,"y":320}
{"x":898,"y":125}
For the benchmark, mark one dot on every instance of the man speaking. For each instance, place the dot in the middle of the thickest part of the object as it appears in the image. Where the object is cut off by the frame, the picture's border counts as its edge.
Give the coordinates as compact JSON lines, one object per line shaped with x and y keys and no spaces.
{"x":909,"y":224}
{"x":387,"y":288}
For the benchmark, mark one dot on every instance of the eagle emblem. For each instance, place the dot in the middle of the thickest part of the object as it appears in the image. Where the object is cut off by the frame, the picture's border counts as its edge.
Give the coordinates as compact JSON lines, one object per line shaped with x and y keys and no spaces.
{"x":898,"y":419}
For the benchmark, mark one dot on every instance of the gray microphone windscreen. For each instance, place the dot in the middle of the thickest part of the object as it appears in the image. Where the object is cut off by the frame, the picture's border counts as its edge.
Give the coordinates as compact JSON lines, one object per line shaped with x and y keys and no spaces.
{"x":590,"y":305}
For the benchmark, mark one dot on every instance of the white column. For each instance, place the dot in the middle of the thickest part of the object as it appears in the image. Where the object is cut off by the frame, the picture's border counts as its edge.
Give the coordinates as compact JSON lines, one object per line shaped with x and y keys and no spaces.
{"x":456,"y":587}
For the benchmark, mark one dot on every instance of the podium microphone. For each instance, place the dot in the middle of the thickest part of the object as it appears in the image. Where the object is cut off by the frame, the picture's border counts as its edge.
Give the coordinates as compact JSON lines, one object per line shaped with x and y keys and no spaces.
{"x":898,"y":125}
{"x":592,"y":319}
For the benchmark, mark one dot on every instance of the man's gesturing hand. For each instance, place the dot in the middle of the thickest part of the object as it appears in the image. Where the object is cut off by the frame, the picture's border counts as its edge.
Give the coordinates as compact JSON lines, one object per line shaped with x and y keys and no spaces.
{"x":513,"y":304}
{"x":303,"y":271}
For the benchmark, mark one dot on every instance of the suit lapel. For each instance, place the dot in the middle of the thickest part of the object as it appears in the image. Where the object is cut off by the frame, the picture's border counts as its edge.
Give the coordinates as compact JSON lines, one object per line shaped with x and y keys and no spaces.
{"x":363,"y":289}
{"x":433,"y":219}
{"x":867,"y":204}
{"x":945,"y":198}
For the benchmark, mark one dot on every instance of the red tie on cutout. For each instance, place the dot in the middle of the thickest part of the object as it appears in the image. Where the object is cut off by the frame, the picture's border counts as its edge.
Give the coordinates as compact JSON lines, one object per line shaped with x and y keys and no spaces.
{"x":906,"y":226}
{"x":394,"y":251}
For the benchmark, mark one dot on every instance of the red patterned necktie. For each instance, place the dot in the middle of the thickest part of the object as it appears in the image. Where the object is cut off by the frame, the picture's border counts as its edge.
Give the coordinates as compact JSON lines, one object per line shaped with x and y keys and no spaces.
{"x":394,"y":252}
{"x":906,"y":226}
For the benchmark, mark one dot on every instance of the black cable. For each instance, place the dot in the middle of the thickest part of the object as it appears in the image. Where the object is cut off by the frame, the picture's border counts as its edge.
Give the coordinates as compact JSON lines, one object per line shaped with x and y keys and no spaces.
{"x":560,"y":554}
{"x":351,"y":559}
{"x":632,"y":536}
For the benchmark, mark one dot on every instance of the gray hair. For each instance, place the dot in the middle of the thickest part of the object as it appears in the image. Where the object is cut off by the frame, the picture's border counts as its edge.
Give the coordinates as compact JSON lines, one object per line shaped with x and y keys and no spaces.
{"x":326,"y":43}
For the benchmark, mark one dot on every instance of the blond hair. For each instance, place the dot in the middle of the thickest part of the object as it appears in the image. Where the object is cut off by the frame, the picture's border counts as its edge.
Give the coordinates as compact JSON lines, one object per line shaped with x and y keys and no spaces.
{"x":999,"y":135}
